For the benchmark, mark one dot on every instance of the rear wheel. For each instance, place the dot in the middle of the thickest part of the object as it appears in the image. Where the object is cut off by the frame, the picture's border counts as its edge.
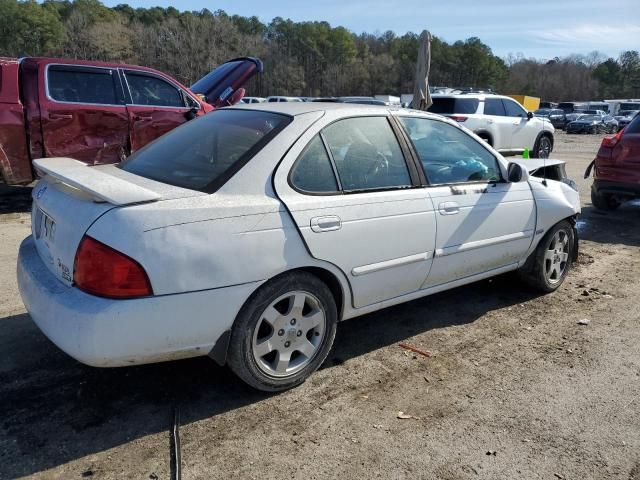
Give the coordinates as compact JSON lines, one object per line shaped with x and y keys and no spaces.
{"x":283,"y":333}
{"x":604,"y":201}
{"x":548,"y":265}
{"x":543,"y":147}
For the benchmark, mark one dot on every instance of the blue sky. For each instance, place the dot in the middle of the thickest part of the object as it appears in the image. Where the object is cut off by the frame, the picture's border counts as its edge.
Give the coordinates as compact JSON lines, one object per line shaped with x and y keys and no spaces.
{"x":535,"y":28}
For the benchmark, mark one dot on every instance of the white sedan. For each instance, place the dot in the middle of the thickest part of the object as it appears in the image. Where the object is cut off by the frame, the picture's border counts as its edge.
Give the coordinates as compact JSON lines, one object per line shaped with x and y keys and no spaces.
{"x":247,"y":234}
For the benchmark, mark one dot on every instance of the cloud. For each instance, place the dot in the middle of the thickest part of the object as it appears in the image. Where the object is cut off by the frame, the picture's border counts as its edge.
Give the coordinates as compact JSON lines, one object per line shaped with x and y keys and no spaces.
{"x":590,"y":36}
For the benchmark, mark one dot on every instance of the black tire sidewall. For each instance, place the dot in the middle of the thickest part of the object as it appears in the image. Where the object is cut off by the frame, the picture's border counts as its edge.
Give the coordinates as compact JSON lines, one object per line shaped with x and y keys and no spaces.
{"x":240,"y":357}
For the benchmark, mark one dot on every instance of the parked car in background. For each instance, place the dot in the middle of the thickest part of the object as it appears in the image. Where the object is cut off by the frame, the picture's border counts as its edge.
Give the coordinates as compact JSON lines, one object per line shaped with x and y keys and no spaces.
{"x":253,"y":100}
{"x":570,"y":117}
{"x":249,"y":233}
{"x":616,"y":168}
{"x":360,"y":100}
{"x":592,"y":123}
{"x":499,"y":120}
{"x":571,"y":107}
{"x":555,"y":116}
{"x":276,"y":98}
{"x":99,"y":112}
{"x":624,"y":117}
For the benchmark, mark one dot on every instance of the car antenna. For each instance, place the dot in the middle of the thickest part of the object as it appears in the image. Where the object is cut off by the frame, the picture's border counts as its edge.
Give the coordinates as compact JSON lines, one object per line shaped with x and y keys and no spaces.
{"x":544,"y":160}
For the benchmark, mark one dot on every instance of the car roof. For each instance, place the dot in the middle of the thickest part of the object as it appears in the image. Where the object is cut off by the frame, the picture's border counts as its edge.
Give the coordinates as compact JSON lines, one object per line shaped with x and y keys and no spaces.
{"x":300,"y":108}
{"x":478,"y":96}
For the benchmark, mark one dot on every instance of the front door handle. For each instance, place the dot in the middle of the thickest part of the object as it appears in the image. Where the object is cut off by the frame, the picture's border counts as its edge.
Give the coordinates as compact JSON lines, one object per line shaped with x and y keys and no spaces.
{"x":60,"y":116}
{"x":142,"y":117}
{"x":327,"y":223}
{"x":449,"y":208}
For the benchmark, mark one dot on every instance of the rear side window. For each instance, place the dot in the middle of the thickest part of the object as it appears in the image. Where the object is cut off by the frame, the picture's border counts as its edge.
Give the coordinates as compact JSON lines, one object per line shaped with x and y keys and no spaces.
{"x":204,"y":153}
{"x":81,"y":85}
{"x":366,"y":154}
{"x":148,"y":90}
{"x":449,"y":155}
{"x":313,"y":171}
{"x":454,"y":105}
{"x":494,"y":106}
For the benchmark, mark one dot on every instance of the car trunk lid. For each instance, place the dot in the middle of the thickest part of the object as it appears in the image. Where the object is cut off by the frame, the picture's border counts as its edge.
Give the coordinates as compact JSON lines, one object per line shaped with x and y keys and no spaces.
{"x":72,"y":195}
{"x":219,"y":84}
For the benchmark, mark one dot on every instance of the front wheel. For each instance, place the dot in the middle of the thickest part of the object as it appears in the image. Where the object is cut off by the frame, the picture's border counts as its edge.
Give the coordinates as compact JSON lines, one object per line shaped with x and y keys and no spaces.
{"x":543,"y":147}
{"x":604,"y":201}
{"x":548,"y":265}
{"x":283,"y":333}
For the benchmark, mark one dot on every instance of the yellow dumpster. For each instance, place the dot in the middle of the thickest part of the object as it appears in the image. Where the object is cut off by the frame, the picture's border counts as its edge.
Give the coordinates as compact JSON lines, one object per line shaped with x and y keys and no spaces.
{"x":530,"y":103}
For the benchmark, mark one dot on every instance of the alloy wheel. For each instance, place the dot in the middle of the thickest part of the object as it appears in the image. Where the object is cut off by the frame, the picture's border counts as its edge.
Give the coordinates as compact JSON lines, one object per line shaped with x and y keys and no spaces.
{"x":556,"y":257}
{"x":544,"y":148}
{"x":288,"y":334}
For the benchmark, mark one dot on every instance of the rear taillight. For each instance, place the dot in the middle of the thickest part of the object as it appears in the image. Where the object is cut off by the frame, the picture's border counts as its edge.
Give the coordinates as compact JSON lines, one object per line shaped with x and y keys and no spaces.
{"x":458,"y":118}
{"x":612,"y":141}
{"x":101,"y":270}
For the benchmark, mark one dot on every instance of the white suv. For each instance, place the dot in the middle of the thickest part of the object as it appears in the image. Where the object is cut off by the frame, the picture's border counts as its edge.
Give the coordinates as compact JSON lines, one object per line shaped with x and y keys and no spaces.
{"x":499,"y":120}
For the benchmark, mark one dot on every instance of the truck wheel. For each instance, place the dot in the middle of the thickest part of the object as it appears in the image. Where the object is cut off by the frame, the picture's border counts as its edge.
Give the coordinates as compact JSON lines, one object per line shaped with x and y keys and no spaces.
{"x":542,"y":147}
{"x":548,"y":265}
{"x":283,"y":333}
{"x":604,"y":201}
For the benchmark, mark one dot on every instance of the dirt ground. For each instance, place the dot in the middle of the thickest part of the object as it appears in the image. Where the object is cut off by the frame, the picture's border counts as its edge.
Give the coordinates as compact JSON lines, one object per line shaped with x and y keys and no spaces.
{"x":515,"y":389}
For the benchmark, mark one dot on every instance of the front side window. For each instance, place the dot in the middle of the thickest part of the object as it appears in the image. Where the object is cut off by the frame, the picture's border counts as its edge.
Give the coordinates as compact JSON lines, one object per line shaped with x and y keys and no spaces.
{"x":366,"y":154}
{"x":81,"y":85}
{"x":204,"y":153}
{"x":313,"y":172}
{"x":152,"y":91}
{"x":513,"y":109}
{"x":449,"y":155}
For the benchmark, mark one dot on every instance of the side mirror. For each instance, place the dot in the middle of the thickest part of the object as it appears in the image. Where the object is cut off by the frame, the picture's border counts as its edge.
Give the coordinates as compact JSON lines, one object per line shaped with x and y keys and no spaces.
{"x":529,"y":115}
{"x":517,"y":173}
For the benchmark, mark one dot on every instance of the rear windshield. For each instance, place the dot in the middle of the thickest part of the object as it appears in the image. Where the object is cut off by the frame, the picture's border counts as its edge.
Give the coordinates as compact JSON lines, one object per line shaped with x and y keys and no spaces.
{"x":204,"y":153}
{"x":454,"y":105}
{"x":634,"y":126}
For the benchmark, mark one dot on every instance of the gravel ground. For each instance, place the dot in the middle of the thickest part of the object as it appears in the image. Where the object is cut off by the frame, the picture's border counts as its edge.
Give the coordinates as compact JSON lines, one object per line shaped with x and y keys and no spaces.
{"x":515,"y":389}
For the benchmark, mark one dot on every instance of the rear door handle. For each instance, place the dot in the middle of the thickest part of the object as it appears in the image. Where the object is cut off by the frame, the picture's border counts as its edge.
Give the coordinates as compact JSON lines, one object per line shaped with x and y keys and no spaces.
{"x":449,"y":208}
{"x":60,"y":116}
{"x":142,"y":117}
{"x":327,"y":223}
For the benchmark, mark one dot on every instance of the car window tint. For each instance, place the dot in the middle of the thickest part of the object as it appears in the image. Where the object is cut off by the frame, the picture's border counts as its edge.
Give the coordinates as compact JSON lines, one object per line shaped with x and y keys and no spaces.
{"x":313,"y":172}
{"x":146,"y":90}
{"x":448,"y":154}
{"x":81,"y":85}
{"x":513,"y":109}
{"x":366,"y":154}
{"x":204,"y":153}
{"x":634,"y":126}
{"x":454,"y":105}
{"x":494,"y":106}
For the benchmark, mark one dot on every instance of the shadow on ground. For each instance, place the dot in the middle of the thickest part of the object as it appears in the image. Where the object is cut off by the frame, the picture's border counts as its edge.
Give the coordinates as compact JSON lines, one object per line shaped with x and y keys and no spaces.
{"x":620,"y":226}
{"x":14,"y":199}
{"x":55,"y":410}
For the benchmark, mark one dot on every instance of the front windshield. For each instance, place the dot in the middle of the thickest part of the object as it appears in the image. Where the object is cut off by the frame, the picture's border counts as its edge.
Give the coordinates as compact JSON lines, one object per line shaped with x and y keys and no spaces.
{"x":204,"y":153}
{"x":589,"y":118}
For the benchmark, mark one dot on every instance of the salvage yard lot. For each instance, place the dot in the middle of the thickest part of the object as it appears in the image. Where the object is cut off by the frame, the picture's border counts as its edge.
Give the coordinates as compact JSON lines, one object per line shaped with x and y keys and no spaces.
{"x":515,"y":387}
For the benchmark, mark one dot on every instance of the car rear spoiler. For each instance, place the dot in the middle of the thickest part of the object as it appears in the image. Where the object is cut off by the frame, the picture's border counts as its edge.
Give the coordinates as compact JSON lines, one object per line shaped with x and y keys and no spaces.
{"x":97,"y":183}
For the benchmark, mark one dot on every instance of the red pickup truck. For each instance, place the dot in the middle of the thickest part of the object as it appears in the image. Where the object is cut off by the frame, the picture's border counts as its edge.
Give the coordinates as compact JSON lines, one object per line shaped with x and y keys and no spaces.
{"x":99,"y":112}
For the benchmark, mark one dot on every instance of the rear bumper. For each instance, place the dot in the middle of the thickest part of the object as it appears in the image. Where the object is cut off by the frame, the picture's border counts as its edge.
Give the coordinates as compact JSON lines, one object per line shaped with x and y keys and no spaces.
{"x":103,"y":332}
{"x":616,"y":188}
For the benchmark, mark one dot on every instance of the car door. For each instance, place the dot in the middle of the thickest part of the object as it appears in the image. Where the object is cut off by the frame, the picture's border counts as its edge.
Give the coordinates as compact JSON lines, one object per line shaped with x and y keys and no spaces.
{"x":219,"y":85}
{"x":357,"y":204}
{"x":83,"y":114}
{"x":483,"y":222}
{"x":523,"y":130}
{"x":500,"y":125}
{"x":154,"y":106}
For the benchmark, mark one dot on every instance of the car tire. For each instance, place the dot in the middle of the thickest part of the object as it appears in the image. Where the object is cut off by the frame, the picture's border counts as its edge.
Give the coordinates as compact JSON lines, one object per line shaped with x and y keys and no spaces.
{"x":604,"y":201}
{"x":547,"y":267}
{"x":289,"y":315}
{"x":543,"y":147}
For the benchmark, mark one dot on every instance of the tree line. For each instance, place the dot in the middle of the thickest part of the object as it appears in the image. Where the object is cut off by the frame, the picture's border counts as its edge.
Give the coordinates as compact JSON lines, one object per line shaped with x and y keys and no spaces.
{"x":300,"y":58}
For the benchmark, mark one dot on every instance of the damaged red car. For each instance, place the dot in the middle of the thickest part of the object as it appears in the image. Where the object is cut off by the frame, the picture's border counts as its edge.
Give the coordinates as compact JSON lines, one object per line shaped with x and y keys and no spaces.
{"x":99,"y":112}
